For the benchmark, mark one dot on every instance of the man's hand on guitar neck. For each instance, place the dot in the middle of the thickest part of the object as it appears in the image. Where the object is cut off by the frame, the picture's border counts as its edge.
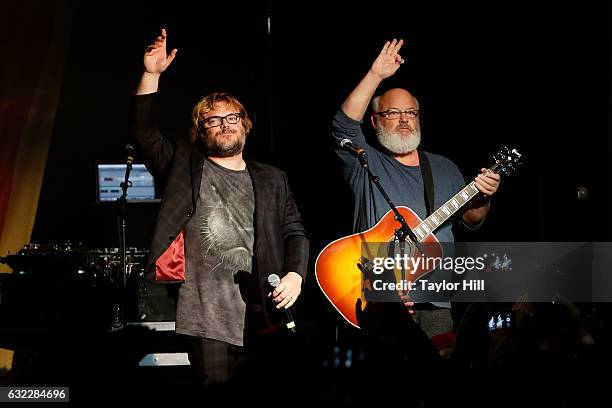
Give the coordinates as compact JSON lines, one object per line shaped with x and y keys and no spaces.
{"x":487,"y":183}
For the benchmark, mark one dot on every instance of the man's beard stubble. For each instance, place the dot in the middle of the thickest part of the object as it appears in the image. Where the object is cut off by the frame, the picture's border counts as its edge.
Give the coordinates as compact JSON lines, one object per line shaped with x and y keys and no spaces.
{"x":210,"y":146}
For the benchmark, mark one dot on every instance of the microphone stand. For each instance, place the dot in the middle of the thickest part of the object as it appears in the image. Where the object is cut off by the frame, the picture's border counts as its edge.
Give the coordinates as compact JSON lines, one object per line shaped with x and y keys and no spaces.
{"x":404,"y":230}
{"x":122,"y":217}
{"x":117,"y":317}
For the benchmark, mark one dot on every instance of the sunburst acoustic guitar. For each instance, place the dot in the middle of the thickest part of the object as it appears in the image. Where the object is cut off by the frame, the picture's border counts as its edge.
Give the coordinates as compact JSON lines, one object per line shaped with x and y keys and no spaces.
{"x":340,"y":265}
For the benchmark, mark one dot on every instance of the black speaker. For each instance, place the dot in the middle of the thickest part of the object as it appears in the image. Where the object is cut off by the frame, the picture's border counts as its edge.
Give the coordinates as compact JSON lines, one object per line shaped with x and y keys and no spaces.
{"x":153,"y":301}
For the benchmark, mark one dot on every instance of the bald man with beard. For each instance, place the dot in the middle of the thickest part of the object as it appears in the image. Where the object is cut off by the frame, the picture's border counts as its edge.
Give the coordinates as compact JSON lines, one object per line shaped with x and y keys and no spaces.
{"x":398,"y":162}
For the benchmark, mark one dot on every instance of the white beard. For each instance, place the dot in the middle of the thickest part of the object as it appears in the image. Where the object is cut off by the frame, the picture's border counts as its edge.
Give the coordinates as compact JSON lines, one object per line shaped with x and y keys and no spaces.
{"x":396,"y":142}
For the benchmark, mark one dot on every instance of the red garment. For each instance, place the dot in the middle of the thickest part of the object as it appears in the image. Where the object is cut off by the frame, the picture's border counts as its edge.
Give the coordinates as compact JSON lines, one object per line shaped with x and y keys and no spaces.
{"x":170,"y":266}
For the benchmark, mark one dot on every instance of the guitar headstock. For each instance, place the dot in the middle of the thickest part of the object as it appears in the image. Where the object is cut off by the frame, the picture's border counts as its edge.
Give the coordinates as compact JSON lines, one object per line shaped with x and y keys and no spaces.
{"x":506,"y":160}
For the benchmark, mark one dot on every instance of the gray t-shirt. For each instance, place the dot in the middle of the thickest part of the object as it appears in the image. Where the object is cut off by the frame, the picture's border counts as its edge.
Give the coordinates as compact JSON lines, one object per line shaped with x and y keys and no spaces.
{"x":403,"y":184}
{"x":218,"y":256}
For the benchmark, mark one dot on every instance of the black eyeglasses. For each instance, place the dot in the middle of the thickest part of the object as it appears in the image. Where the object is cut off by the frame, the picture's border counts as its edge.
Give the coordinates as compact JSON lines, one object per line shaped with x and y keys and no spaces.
{"x":393,"y":114}
{"x":214,"y":121}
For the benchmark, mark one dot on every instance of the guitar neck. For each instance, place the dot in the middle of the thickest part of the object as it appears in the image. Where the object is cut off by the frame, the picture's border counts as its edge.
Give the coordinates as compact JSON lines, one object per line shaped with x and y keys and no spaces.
{"x":439,"y":217}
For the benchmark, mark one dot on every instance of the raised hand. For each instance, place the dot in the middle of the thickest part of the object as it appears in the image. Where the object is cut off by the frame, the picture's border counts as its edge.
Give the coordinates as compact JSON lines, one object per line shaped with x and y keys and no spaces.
{"x":389,"y":60}
{"x":385,"y":65}
{"x":156,"y":59}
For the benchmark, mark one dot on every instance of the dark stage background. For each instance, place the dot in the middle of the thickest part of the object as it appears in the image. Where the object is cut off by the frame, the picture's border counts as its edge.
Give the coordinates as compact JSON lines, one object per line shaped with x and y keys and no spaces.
{"x":536,"y":78}
{"x":532,"y":76}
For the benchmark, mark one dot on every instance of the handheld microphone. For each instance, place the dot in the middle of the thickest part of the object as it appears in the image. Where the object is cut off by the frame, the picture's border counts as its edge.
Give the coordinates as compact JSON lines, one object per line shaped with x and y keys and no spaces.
{"x":130,"y":152}
{"x":352,"y":148}
{"x":273,"y":281}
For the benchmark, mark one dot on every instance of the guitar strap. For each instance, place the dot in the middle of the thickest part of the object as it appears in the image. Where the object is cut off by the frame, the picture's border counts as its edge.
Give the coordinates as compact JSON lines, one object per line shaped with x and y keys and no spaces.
{"x":427,"y":182}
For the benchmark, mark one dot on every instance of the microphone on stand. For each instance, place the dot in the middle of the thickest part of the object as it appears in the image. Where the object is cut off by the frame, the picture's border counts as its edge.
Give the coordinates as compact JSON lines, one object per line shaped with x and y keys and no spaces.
{"x":352,"y":148}
{"x":130,"y":152}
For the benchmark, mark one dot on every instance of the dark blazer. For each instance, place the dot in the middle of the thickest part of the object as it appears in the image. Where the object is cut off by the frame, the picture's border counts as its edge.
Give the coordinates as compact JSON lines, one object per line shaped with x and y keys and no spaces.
{"x":281,"y":244}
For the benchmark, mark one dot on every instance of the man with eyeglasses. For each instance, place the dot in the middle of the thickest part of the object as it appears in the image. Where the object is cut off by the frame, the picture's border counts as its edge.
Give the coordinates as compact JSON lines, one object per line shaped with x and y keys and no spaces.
{"x":225,"y":224}
{"x":399,"y":164}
